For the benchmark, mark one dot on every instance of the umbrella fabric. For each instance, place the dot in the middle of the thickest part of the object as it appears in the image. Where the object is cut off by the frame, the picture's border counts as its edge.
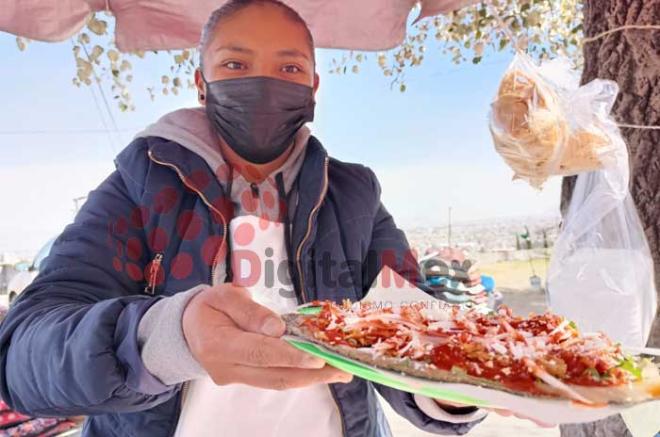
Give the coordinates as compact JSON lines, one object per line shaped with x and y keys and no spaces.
{"x":176,"y":24}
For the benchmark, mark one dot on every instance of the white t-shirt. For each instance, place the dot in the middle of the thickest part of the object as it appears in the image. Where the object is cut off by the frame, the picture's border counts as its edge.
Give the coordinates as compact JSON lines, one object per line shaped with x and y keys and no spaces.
{"x":243,"y":411}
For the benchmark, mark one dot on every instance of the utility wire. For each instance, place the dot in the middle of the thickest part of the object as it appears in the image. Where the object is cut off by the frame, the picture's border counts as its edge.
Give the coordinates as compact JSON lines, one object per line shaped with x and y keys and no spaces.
{"x":61,"y":131}
{"x":108,"y":112}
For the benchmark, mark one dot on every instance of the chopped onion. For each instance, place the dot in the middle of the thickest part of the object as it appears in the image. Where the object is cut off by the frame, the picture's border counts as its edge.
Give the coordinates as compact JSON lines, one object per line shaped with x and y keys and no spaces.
{"x":443,"y":324}
{"x":559,"y":327}
{"x":556,"y":383}
{"x":434,"y":339}
{"x":499,"y":348}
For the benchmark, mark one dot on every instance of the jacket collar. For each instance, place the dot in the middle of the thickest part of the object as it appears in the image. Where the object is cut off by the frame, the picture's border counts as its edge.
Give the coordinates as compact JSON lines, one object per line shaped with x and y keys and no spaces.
{"x":191,"y":129}
{"x":197,"y":176}
{"x":312,"y":183}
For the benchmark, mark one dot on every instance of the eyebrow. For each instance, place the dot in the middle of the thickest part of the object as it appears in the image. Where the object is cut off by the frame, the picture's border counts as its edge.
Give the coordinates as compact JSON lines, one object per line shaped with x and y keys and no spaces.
{"x":293,"y":52}
{"x":234,"y":49}
{"x":281,"y":53}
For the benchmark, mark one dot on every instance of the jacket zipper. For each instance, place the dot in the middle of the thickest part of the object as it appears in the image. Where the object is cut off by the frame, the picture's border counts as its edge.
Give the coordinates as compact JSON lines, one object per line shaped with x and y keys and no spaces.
{"x":206,"y":202}
{"x":153,"y":274}
{"x":324,"y":190}
{"x":184,"y":387}
{"x":301,"y":275}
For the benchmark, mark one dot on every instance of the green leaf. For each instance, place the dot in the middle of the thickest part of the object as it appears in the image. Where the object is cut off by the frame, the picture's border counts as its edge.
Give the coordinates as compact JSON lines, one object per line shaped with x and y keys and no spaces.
{"x":96,"y":52}
{"x":628,"y":364}
{"x":20,"y":42}
{"x":476,"y":59}
{"x":83,"y":38}
{"x":573,"y":325}
{"x":99,"y":27}
{"x":503,"y":43}
{"x":593,"y":373}
{"x":113,"y":55}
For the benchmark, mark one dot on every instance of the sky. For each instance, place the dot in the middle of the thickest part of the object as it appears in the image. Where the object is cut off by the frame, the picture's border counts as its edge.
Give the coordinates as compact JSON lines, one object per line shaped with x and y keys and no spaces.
{"x":429,"y":146}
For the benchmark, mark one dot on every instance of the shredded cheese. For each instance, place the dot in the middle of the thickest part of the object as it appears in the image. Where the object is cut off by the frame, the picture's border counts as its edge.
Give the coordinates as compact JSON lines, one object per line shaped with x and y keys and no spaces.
{"x":495,"y":341}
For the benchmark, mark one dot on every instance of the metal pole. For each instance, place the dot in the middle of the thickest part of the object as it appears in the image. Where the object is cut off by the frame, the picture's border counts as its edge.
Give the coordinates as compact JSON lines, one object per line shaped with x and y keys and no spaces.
{"x":449,"y":230}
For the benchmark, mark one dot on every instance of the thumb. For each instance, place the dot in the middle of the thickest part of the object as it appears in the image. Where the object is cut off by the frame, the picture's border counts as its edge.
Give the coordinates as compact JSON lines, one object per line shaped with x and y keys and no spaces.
{"x":237,"y":303}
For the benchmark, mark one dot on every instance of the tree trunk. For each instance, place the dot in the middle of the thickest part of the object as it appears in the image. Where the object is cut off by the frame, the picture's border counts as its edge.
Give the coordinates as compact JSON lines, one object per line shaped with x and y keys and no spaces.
{"x":632,"y":59}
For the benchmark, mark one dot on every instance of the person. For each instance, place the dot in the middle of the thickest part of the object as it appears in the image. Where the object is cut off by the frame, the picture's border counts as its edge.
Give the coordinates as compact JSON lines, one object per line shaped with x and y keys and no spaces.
{"x":157,"y":310}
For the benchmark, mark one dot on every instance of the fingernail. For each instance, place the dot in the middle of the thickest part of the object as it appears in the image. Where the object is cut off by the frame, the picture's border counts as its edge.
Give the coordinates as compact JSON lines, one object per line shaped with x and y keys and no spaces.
{"x":311,"y":362}
{"x":345,"y":378}
{"x":273,"y":327}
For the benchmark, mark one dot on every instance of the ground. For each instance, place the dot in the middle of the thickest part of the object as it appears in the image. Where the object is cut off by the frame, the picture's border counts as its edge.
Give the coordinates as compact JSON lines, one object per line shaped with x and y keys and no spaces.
{"x":514,"y":275}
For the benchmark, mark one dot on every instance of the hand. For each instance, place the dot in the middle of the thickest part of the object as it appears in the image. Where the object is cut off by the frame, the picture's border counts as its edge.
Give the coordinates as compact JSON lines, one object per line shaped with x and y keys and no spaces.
{"x":237,"y":341}
{"x":448,"y":406}
{"x":507,"y":413}
{"x":455,"y":407}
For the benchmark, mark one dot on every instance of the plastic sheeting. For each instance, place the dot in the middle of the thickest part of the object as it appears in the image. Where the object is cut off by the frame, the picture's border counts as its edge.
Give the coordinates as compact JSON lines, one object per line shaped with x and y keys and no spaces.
{"x":176,"y":24}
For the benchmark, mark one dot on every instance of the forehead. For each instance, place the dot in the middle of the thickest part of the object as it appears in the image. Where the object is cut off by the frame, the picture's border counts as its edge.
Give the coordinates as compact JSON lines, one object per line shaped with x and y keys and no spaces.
{"x":260,"y":28}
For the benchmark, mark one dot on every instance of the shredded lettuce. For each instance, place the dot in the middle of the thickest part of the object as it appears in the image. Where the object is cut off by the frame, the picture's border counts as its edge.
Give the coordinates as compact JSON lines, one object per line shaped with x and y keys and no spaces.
{"x":628,"y":364}
{"x":593,"y":373}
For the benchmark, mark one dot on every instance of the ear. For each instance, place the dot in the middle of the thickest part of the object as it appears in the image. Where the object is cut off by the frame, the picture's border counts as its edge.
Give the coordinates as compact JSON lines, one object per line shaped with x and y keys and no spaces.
{"x":201,"y":87}
{"x":317,"y":82}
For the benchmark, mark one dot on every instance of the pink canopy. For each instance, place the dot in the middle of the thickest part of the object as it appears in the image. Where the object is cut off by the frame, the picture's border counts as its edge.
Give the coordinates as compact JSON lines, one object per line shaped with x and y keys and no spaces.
{"x":176,"y":24}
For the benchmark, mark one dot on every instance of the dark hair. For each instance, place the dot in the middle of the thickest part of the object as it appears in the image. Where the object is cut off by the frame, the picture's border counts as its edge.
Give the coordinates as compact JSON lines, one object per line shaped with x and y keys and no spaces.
{"x":234,"y":6}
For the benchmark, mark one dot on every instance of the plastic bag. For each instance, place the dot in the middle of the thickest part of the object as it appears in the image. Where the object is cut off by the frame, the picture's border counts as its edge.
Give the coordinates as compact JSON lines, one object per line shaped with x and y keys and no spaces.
{"x":601,"y":272}
{"x":543,"y":123}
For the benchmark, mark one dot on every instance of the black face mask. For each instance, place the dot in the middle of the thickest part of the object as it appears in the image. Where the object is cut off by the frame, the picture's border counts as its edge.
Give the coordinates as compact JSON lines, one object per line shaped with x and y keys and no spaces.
{"x":258,"y":117}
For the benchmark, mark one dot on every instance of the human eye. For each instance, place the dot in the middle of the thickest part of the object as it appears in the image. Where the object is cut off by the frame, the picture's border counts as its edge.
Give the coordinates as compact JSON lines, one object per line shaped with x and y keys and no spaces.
{"x":234,"y":65}
{"x":291,"y":69}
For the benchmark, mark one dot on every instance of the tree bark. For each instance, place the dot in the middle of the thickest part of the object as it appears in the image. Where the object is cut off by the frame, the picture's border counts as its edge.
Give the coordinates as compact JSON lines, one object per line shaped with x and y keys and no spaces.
{"x":632,"y":59}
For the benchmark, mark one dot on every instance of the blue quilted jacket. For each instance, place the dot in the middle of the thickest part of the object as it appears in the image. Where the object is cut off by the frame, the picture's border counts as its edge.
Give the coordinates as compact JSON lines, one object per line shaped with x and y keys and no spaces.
{"x":153,"y":228}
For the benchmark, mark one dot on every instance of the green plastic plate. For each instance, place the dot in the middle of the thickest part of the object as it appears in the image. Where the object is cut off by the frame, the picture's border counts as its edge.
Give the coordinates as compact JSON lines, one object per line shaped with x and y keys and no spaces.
{"x":388,"y":378}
